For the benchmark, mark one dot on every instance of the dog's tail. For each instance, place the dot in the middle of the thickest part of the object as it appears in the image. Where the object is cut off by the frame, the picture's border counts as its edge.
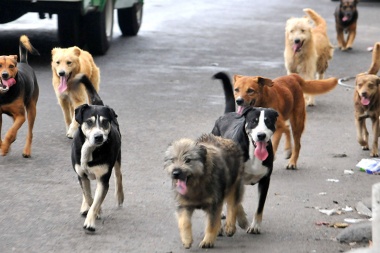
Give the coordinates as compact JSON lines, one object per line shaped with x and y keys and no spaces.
{"x":375,"y":65}
{"x":318,"y":20}
{"x":228,"y":91}
{"x":93,"y":94}
{"x":24,"y":47}
{"x":316,"y":87}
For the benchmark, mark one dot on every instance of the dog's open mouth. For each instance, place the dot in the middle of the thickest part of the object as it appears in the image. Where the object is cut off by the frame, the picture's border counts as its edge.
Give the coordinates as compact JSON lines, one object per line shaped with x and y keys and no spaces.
{"x":261,"y":151}
{"x":241,"y":108}
{"x":6,"y":84}
{"x":365,"y":100}
{"x":63,"y":83}
{"x":297,"y":46}
{"x":181,"y":186}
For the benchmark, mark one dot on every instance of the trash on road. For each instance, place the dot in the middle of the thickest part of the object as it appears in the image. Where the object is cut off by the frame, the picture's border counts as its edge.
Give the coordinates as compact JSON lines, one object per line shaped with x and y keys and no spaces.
{"x":371,"y":166}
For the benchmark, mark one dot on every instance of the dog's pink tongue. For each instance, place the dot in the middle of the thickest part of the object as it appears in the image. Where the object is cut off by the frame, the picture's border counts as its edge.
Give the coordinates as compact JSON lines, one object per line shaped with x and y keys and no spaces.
{"x":9,"y":82}
{"x":296,"y":47}
{"x":261,"y":150}
{"x":181,"y":187}
{"x":365,"y":101}
{"x":345,"y":18}
{"x":62,"y":84}
{"x":240,"y":109}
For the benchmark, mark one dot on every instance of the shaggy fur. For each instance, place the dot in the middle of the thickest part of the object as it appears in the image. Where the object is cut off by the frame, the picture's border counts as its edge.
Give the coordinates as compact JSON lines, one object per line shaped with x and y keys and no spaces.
{"x":205,"y":173}
{"x":375,"y":65}
{"x":367,"y":105}
{"x":307,"y":48}
{"x":66,"y":64}
{"x":346,"y":17}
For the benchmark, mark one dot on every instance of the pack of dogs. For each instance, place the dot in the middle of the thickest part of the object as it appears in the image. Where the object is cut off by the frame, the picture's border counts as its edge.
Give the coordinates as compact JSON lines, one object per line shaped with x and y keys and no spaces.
{"x":209,"y":172}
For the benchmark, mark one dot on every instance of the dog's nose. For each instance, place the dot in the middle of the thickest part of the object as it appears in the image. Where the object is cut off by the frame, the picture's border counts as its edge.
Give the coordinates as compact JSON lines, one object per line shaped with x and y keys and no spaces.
{"x":61,"y":73}
{"x":239,"y":101}
{"x":296,"y":41}
{"x":176,"y":173}
{"x":98,"y":139}
{"x":5,"y":75}
{"x":261,"y":136}
{"x":364,"y":94}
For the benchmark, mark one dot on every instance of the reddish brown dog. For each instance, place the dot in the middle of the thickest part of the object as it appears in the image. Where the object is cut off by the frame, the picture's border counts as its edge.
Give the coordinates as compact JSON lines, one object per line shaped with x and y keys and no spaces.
{"x":346,"y":17}
{"x":18,"y":93}
{"x":367,"y":105}
{"x":285,"y":95}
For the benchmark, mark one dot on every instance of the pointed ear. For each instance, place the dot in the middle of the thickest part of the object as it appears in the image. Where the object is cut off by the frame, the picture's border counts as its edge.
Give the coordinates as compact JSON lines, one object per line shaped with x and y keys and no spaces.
{"x":79,"y":113}
{"x":14,"y":57}
{"x":236,"y":77}
{"x":264,"y":81}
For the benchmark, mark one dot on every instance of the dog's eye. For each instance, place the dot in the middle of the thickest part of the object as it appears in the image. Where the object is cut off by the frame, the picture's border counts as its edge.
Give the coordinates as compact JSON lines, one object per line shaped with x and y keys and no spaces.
{"x":1,"y":65}
{"x":11,"y":66}
{"x":187,"y":160}
{"x":291,"y":31}
{"x":302,"y":30}
{"x":68,"y":63}
{"x":57,"y":62}
{"x":104,"y":123}
{"x":250,"y":91}
{"x":237,"y":90}
{"x":89,"y":122}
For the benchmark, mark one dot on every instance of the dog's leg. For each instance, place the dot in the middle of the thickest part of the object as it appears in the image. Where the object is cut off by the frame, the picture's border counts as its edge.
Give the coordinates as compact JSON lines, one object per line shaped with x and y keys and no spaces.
{"x":102,"y":186}
{"x":184,"y":226}
{"x":87,"y":196}
{"x":18,"y":119}
{"x":31,"y":115}
{"x":375,"y":131}
{"x":1,"y":124}
{"x":351,"y":37}
{"x":241,"y":217}
{"x":263,"y":187}
{"x":340,"y":38}
{"x":280,"y":129}
{"x":232,"y":203}
{"x":65,"y":106}
{"x":288,"y":141}
{"x":361,"y":133}
{"x":119,"y":193}
{"x":297,"y":122}
{"x":212,"y":226}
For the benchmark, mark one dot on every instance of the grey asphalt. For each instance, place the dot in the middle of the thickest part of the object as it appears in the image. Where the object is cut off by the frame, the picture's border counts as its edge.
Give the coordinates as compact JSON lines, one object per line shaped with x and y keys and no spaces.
{"x":160,"y":85}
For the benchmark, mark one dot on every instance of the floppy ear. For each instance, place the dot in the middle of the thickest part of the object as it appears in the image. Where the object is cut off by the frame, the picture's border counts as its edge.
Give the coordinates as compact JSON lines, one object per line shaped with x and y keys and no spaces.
{"x":274,"y":112}
{"x":378,"y":81}
{"x":247,"y":110}
{"x":202,"y":151}
{"x":77,"y":51}
{"x":113,"y":115}
{"x":79,"y":113}
{"x":264,"y":81}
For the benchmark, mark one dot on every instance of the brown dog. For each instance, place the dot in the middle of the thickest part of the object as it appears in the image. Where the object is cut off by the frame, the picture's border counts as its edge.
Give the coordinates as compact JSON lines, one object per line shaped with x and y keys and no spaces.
{"x":346,"y":16}
{"x":66,"y":64}
{"x":285,"y":95}
{"x":18,"y":93}
{"x":367,"y":105}
{"x":375,"y":65}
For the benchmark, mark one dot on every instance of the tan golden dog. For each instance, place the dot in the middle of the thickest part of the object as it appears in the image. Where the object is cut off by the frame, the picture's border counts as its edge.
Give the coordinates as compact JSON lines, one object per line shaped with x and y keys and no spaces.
{"x":367,"y":105}
{"x":285,"y":95}
{"x":375,"y":65}
{"x":307,"y":48}
{"x":66,"y":63}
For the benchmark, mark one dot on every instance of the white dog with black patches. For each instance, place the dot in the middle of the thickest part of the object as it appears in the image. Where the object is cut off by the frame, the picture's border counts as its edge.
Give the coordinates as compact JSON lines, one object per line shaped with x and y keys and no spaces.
{"x":96,"y":151}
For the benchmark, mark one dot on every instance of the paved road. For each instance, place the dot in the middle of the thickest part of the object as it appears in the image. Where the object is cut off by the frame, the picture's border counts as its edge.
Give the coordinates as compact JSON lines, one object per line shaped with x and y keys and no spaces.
{"x":160,"y":85}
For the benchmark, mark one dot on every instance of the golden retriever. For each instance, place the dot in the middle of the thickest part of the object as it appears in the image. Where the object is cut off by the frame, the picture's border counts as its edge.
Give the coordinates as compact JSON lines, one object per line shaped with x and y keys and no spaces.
{"x":307,"y":48}
{"x":66,"y":63}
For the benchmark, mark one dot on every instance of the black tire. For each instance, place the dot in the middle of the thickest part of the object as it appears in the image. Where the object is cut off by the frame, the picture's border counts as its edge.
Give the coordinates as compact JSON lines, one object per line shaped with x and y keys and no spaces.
{"x":70,"y":29}
{"x":99,"y":26}
{"x":130,"y":19}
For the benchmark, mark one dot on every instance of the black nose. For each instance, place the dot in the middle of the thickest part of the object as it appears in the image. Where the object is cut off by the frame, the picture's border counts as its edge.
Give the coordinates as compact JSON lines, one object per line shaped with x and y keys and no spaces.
{"x":296,"y":41}
{"x":5,"y":75}
{"x":239,"y":101}
{"x":176,"y":173}
{"x":364,"y":94}
{"x":61,"y":73}
{"x":98,"y":138}
{"x":261,"y":136}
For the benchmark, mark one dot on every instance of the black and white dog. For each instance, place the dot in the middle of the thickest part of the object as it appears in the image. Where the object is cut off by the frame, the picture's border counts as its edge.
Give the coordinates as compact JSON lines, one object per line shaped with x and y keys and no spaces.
{"x":252,"y":130}
{"x":96,"y":150}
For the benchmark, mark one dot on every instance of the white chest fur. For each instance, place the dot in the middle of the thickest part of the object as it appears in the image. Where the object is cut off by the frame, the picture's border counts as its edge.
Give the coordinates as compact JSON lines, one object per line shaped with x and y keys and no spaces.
{"x":254,"y":168}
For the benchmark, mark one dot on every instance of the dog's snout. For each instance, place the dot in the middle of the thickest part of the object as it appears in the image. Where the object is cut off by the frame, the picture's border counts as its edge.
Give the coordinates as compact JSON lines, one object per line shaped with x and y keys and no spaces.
{"x":239,"y":101}
{"x":261,"y":136}
{"x":61,"y":73}
{"x":98,"y":138}
{"x":5,"y":75}
{"x":176,"y":173}
{"x":364,"y":94}
{"x":297,"y":41}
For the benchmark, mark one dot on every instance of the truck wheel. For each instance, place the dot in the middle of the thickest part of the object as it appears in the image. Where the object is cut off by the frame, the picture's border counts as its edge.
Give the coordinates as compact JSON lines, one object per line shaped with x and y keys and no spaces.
{"x":99,"y":26}
{"x":70,"y":29}
{"x":130,"y":19}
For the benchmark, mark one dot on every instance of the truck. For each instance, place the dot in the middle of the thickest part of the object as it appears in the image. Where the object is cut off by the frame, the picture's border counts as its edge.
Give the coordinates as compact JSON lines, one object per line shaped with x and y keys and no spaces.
{"x":83,"y":23}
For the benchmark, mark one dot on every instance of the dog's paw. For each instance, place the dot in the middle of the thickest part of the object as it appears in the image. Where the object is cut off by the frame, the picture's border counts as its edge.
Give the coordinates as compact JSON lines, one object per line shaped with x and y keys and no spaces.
{"x":229,"y":229}
{"x":365,"y":148}
{"x":254,"y":229}
{"x":374,"y":154}
{"x":187,"y":244}
{"x":206,"y":244}
{"x":89,"y":229}
{"x":291,"y":167}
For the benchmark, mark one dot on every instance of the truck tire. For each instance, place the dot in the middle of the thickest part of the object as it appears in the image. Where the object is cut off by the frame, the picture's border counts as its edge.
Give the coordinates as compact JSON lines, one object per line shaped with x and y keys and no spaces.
{"x":70,"y":29}
{"x":99,"y":26}
{"x":130,"y":19}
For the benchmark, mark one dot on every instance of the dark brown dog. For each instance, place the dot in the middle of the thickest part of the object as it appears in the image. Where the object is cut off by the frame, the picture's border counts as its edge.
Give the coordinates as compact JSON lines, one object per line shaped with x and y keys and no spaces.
{"x":367,"y":105}
{"x":375,"y":65}
{"x":18,"y":93}
{"x":283,"y":94}
{"x":346,"y":16}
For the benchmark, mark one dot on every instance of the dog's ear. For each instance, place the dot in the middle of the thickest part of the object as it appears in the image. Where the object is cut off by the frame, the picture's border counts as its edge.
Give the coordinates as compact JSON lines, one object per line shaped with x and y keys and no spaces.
{"x":264,"y":81}
{"x":202,"y":151}
{"x":14,"y":57}
{"x":378,"y":81}
{"x":273,"y":112}
{"x":236,"y":77}
{"x":79,"y":113}
{"x":76,"y":50}
{"x":247,"y":110}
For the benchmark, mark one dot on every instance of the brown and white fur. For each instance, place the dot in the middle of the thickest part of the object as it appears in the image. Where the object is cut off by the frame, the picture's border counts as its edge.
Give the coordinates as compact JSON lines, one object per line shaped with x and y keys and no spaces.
{"x":307,"y":48}
{"x":66,"y":64}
